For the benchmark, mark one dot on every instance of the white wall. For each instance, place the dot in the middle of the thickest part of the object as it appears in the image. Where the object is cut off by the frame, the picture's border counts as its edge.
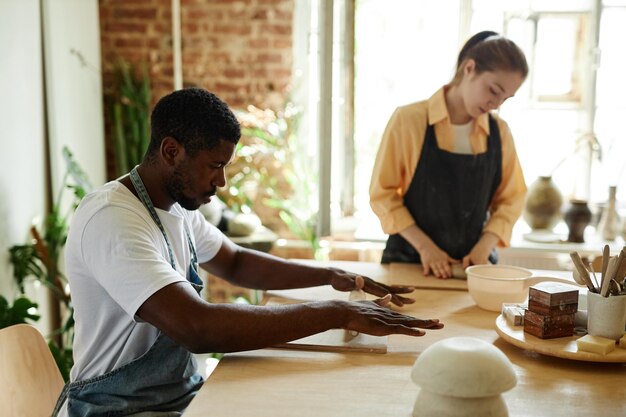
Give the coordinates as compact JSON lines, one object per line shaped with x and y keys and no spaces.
{"x":74,"y":85}
{"x":74,"y":104}
{"x":22,"y":177}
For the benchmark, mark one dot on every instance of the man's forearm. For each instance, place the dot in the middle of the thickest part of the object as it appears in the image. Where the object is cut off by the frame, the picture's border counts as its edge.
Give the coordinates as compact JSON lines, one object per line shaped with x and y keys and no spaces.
{"x":258,"y":270}
{"x":233,"y":327}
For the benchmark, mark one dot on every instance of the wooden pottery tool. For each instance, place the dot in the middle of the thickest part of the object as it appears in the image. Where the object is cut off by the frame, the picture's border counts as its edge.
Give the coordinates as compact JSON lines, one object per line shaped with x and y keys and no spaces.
{"x":582,"y":271}
{"x":593,"y":273}
{"x":614,"y":265}
{"x":606,"y":254}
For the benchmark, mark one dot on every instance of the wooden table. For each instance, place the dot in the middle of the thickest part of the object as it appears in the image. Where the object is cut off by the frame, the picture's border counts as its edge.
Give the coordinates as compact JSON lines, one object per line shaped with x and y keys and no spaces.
{"x":272,"y":382}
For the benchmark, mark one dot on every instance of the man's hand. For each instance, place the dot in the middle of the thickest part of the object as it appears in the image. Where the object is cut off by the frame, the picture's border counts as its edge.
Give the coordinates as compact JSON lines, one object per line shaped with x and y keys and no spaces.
{"x":373,"y":317}
{"x":347,"y":281}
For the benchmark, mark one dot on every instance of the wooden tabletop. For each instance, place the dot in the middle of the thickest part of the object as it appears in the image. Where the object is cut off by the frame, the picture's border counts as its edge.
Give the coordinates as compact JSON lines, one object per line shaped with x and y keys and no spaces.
{"x":277,"y":382}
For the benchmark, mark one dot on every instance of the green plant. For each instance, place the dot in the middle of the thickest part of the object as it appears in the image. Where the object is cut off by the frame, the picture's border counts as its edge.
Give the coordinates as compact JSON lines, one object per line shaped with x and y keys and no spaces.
{"x":39,"y":260}
{"x":23,"y":309}
{"x":270,"y":176}
{"x":129,"y":107}
{"x":260,"y":160}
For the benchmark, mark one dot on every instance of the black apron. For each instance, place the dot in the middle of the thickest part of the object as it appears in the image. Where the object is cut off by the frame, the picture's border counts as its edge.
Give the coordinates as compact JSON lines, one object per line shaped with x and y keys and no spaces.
{"x":449,"y":198}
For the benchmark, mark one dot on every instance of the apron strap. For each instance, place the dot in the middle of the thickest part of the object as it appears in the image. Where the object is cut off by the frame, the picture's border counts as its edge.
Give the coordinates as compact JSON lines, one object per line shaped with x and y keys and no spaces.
{"x":145,"y":199}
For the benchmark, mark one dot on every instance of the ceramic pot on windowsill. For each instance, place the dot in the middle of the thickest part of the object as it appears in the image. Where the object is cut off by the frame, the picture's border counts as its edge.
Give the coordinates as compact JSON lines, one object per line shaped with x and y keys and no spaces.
{"x":609,"y":226}
{"x":577,"y":216}
{"x":542,"y":210}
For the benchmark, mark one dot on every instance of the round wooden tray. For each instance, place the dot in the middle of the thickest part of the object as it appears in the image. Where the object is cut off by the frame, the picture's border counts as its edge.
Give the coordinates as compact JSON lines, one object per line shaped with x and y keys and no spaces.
{"x":561,"y":347}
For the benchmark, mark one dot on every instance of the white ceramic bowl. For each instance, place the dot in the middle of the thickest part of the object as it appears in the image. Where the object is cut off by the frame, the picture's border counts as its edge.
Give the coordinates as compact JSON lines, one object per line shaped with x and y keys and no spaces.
{"x":492,"y":285}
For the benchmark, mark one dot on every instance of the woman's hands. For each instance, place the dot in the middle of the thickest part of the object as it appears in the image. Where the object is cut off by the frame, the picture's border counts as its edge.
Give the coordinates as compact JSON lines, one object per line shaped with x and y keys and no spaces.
{"x":481,"y":250}
{"x":436,"y":261}
{"x":439,"y":263}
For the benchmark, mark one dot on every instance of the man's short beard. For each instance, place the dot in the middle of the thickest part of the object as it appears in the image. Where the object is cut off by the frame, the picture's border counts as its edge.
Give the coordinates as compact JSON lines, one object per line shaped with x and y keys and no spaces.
{"x":176,"y":186}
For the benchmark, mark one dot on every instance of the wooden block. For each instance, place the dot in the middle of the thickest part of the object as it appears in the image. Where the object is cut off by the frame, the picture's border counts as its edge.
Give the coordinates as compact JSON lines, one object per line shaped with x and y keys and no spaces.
{"x":595,"y":344}
{"x":548,"y":327}
{"x":513,"y":313}
{"x":552,"y":294}
{"x":557,"y":310}
{"x":549,"y":321}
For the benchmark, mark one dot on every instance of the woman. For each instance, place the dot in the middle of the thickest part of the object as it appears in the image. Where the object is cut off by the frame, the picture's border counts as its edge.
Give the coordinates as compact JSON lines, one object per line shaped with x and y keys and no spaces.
{"x":447,"y":185}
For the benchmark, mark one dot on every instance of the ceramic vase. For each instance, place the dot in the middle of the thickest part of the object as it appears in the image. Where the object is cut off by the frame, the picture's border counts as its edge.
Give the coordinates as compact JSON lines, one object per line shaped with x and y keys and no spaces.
{"x":624,"y":229}
{"x":608,"y":228}
{"x":577,"y":216}
{"x":542,"y":210}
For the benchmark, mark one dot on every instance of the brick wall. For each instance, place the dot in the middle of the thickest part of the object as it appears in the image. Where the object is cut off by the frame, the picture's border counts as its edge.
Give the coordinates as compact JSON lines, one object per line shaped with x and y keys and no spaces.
{"x":138,"y":31}
{"x":238,"y":49}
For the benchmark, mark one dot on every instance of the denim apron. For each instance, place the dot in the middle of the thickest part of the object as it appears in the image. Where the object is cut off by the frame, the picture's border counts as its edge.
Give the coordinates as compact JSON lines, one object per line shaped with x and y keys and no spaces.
{"x":161,"y":382}
{"x":449,"y":198}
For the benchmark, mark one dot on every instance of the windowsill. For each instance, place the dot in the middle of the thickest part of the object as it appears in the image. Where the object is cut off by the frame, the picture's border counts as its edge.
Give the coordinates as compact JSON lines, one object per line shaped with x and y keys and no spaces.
{"x":524,"y":240}
{"x":521,"y":240}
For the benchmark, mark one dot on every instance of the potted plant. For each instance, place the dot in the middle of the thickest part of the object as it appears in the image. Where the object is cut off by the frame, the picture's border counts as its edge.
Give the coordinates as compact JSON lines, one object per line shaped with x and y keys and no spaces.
{"x":128,"y":104}
{"x":269,"y":177}
{"x":38,"y":260}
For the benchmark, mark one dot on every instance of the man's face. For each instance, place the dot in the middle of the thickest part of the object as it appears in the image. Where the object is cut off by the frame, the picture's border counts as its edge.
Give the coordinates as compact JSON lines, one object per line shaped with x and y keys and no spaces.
{"x":196,"y":179}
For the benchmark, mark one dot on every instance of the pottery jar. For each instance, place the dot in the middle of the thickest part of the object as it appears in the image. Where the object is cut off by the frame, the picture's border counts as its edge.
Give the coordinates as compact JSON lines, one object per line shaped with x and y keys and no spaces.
{"x":577,"y":216}
{"x":542,"y":210}
{"x":608,"y":228}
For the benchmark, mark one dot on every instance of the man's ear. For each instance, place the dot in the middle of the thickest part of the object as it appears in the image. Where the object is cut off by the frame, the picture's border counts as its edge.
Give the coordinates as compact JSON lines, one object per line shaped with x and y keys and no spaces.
{"x":171,"y":150}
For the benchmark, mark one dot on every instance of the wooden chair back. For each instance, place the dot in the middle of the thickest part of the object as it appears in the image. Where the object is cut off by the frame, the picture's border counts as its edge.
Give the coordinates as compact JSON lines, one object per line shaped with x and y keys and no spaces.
{"x":30,"y":381}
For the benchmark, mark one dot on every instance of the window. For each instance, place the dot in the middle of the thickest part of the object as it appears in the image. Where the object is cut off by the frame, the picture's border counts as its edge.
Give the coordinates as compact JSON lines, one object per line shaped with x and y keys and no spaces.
{"x":405,"y":50}
{"x":610,"y":105}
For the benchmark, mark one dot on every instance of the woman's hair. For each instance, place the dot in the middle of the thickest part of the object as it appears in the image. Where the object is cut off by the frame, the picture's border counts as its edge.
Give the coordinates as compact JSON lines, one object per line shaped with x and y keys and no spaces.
{"x":491,"y":52}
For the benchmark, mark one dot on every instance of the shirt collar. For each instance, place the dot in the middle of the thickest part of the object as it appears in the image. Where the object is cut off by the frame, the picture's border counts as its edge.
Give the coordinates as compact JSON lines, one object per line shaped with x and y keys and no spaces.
{"x":438,"y":111}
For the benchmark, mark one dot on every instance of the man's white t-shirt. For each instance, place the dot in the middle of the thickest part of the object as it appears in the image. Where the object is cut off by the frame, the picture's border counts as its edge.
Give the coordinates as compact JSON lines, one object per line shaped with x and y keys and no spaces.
{"x":116,"y":258}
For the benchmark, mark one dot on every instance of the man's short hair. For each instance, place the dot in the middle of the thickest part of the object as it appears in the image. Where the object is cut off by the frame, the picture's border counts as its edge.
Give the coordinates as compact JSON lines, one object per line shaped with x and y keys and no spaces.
{"x":196,"y":118}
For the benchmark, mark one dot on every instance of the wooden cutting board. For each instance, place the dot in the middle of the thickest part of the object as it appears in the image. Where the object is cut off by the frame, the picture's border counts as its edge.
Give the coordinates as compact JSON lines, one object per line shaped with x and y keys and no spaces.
{"x":321,"y":293}
{"x":334,"y":340}
{"x":412,"y":274}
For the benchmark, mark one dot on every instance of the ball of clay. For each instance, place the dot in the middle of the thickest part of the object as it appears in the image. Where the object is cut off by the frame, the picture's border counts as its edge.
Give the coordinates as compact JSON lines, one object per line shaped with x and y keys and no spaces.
{"x":458,"y":271}
{"x":464,"y":367}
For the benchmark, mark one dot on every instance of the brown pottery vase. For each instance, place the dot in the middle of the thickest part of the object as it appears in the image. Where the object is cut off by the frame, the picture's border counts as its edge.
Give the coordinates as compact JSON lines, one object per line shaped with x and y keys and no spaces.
{"x":542,"y":210}
{"x":577,"y":216}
